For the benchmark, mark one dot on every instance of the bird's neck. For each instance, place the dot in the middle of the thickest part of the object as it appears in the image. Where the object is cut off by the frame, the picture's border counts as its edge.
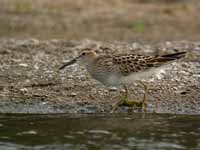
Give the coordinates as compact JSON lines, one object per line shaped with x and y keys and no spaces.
{"x":91,"y":62}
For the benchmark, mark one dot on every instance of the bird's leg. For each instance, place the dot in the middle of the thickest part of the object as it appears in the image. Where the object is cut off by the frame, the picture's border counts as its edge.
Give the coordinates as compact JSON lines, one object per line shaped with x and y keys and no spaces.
{"x":126,"y":102}
{"x":144,"y":101}
{"x":126,"y":92}
{"x":146,"y":90}
{"x":119,"y":103}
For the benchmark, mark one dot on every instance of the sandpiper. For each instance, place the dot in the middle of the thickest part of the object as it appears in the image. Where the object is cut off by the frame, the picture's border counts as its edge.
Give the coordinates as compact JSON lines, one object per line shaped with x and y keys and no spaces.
{"x":122,"y":69}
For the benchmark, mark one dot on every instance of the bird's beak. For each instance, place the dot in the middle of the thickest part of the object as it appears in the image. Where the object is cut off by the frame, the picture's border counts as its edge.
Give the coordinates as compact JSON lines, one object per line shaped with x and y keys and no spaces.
{"x":69,"y":63}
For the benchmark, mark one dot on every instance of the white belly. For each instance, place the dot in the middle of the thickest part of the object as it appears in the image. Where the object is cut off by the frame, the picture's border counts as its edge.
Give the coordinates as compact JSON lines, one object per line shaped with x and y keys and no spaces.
{"x":114,"y":79}
{"x":110,"y":80}
{"x":141,"y":75}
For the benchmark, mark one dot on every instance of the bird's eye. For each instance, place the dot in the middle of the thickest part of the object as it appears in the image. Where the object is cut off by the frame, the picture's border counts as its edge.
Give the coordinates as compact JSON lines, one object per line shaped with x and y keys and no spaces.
{"x":83,"y":54}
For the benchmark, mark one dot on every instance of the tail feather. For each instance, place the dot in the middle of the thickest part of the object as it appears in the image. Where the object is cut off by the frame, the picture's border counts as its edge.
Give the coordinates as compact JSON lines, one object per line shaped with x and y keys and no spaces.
{"x":164,"y":59}
{"x":170,"y":57}
{"x":175,"y":55}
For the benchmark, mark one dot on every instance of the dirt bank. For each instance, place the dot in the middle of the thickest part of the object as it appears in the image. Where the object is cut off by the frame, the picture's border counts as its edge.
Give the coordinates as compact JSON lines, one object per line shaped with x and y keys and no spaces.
{"x":30,"y":81}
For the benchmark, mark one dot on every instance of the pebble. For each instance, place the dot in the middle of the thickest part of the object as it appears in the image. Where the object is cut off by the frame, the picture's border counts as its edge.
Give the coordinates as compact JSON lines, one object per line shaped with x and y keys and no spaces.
{"x":24,"y":90}
{"x":23,"y":65}
{"x":73,"y":94}
{"x":112,"y":89}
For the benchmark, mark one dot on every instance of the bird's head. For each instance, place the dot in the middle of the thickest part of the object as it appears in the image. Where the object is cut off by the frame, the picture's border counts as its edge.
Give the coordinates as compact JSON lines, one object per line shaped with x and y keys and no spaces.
{"x":85,"y":57}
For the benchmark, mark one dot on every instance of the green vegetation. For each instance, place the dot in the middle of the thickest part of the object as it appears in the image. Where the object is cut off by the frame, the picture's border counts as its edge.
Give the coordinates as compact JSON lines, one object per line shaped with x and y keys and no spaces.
{"x":22,"y":6}
{"x":139,"y":26}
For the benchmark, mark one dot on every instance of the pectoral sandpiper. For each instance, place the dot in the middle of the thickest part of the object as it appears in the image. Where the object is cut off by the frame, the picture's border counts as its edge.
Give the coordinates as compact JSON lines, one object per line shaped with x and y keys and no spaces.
{"x":122,"y":69}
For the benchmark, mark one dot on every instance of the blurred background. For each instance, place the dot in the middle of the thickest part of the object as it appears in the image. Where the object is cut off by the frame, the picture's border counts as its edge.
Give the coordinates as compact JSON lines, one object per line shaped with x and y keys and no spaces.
{"x":104,"y":20}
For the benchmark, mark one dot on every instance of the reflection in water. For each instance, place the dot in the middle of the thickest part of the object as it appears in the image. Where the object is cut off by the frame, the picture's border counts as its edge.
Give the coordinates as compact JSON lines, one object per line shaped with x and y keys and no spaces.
{"x":163,"y":132}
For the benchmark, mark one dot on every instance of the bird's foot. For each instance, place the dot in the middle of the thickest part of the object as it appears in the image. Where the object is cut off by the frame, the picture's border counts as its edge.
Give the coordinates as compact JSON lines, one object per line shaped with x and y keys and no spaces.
{"x":131,"y":103}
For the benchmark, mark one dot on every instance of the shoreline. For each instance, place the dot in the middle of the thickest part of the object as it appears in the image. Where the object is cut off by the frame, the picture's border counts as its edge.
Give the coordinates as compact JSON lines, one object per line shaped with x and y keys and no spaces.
{"x":30,"y":82}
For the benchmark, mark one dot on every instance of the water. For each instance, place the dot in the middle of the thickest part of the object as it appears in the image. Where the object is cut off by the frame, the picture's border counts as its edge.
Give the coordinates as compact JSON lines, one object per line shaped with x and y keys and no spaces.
{"x":119,"y":132}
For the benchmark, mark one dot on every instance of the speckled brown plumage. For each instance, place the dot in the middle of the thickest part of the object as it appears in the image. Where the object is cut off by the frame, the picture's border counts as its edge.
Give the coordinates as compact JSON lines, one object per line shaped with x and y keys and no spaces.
{"x":111,"y":69}
{"x":133,"y":63}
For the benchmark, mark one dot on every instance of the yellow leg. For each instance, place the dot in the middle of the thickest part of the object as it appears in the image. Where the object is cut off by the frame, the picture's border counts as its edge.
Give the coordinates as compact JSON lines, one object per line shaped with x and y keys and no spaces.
{"x":122,"y":101}
{"x":126,"y":102}
{"x":144,"y":101}
{"x":146,"y":89}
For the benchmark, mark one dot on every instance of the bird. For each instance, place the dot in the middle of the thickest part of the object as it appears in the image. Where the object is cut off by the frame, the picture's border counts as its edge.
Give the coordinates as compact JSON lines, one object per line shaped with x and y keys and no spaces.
{"x":123,"y":69}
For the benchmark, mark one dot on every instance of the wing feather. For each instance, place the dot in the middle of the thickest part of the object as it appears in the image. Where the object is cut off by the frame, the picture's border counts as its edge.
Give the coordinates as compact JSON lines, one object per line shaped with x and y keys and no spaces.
{"x":130,"y":63}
